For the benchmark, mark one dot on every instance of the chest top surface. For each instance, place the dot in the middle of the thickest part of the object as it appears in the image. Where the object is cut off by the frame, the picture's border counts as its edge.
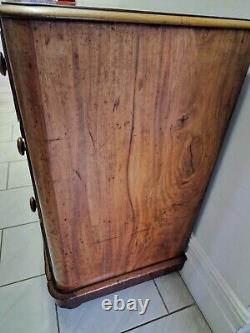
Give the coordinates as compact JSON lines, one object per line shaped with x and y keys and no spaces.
{"x":204,"y":13}
{"x":234,"y":9}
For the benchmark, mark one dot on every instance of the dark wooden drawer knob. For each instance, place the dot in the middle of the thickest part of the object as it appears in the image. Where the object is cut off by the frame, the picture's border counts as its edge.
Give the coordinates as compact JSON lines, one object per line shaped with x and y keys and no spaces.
{"x":21,"y":146}
{"x":33,"y":204}
{"x":3,"y":67}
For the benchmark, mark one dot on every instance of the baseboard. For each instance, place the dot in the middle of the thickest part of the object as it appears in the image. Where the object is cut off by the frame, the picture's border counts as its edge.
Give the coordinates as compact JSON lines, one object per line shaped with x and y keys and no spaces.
{"x":220,"y":305}
{"x":245,"y":329}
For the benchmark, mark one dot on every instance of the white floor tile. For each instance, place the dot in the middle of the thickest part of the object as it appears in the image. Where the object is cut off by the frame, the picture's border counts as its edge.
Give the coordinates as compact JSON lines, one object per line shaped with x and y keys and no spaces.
{"x":5,"y":97}
{"x":16,"y":132}
{"x":26,"y":307}
{"x":90,"y":317}
{"x":19,"y":174}
{"x":4,"y":83}
{"x":174,"y":291}
{"x":14,"y":207}
{"x":22,"y":253}
{"x":5,"y":88}
{"x":3,"y":176}
{"x":189,"y":320}
{"x":6,"y":133}
{"x":9,"y":152}
{"x":6,"y":101}
{"x":7,"y":115}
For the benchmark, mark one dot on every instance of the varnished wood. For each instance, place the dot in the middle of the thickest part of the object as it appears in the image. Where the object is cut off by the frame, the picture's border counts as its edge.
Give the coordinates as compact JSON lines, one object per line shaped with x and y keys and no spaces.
{"x":71,"y":13}
{"x":3,"y":67}
{"x":73,"y":299}
{"x":123,"y":124}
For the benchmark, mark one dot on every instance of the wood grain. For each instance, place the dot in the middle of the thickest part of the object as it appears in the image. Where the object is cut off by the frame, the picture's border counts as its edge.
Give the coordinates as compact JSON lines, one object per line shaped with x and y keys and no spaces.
{"x":72,"y":299}
{"x":123,"y":125}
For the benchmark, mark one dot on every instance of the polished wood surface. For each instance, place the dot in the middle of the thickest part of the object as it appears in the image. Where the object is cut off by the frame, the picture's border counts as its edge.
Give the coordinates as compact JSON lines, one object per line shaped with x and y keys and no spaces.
{"x":68,"y":12}
{"x":123,"y":124}
{"x":74,"y":298}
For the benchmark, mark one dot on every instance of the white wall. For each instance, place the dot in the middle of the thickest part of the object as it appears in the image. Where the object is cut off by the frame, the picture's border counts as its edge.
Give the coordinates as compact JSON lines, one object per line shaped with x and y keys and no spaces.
{"x":222,"y":230}
{"x":223,"y":227}
{"x":221,"y":8}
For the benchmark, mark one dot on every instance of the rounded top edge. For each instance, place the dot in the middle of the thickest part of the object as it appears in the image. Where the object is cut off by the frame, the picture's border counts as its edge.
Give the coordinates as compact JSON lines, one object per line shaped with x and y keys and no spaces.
{"x":70,"y":13}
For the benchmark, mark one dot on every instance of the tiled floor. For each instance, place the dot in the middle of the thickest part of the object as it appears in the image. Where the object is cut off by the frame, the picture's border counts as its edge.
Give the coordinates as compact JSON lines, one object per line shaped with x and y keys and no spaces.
{"x":25,"y":306}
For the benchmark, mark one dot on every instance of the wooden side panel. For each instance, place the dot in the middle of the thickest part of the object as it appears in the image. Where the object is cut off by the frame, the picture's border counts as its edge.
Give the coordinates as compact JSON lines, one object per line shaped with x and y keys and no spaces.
{"x":123,"y":125}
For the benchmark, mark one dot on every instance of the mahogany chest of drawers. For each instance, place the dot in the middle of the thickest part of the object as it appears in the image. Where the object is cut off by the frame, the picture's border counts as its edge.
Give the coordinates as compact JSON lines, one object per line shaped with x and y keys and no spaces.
{"x":122,"y":116}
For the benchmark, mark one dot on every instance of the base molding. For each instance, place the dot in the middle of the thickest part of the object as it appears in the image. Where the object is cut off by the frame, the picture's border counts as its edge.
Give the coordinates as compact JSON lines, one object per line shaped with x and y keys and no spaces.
{"x":75,"y":298}
{"x":245,"y":329}
{"x":220,"y":305}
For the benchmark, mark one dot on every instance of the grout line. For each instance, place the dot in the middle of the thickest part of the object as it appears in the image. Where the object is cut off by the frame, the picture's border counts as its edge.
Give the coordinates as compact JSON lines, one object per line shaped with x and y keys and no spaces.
{"x":204,"y":319}
{"x":181,"y":309}
{"x":156,"y":319}
{"x":165,"y":305}
{"x":1,"y":245}
{"x":19,"y":225}
{"x":178,"y":272}
{"x":57,"y":319}
{"x":16,"y":188}
{"x":193,"y":304}
{"x":23,"y":280}
{"x":144,"y":324}
{"x":17,"y":160}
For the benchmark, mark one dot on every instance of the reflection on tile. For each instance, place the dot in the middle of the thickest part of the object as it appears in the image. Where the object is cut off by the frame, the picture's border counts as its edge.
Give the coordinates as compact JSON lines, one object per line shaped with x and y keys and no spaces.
{"x":14,"y":207}
{"x":26,"y":307}
{"x":22,"y":253}
{"x":19,"y":174}
{"x":189,"y":320}
{"x":90,"y":317}
{"x":5,"y":133}
{"x":9,"y":152}
{"x":174,"y":291}
{"x":3,"y":175}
